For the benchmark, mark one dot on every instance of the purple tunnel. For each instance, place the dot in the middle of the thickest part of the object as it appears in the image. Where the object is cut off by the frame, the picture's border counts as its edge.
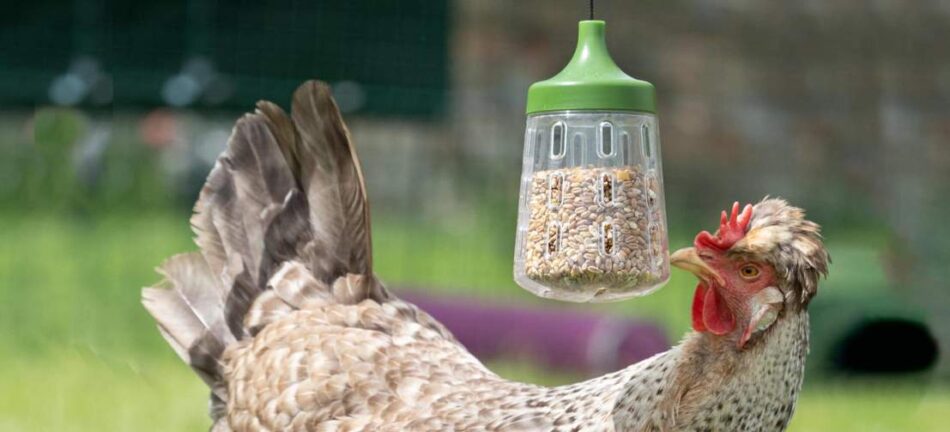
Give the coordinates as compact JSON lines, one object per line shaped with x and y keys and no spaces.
{"x":558,"y":339}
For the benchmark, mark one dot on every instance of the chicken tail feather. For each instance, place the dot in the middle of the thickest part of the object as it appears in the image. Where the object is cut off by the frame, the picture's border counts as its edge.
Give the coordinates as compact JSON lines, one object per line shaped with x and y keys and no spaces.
{"x":288,"y":189}
{"x":189,"y":308}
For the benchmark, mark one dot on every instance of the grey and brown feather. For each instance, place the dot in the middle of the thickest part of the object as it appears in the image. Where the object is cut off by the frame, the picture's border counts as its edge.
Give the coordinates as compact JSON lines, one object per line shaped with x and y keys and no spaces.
{"x":286,"y":188}
{"x":281,"y":315}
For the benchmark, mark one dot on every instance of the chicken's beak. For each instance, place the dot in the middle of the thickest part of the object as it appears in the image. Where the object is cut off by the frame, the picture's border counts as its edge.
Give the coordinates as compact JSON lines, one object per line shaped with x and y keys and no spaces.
{"x":688,"y":259}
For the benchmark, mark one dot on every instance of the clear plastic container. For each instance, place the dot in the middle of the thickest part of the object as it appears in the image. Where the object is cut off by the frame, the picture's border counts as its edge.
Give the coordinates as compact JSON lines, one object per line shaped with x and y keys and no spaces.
{"x":591,"y":217}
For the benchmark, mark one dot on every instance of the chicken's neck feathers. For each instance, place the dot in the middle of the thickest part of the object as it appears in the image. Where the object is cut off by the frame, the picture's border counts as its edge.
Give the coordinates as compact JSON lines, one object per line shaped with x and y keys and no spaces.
{"x":706,"y":381}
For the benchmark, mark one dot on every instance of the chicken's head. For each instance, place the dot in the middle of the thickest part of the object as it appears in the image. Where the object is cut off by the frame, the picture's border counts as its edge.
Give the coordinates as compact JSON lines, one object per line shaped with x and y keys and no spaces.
{"x":763,"y":262}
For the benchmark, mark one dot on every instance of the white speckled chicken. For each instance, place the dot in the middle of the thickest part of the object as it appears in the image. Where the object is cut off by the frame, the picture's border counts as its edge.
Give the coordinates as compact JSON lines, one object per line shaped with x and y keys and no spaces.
{"x":283,"y":318}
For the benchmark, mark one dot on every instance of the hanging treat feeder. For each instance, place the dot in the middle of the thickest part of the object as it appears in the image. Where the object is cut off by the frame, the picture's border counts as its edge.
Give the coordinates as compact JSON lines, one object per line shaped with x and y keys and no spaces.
{"x":591,"y":216}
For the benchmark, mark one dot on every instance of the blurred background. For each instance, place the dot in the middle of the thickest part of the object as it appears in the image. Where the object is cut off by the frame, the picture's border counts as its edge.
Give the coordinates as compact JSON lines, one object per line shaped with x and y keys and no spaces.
{"x":111,"y":116}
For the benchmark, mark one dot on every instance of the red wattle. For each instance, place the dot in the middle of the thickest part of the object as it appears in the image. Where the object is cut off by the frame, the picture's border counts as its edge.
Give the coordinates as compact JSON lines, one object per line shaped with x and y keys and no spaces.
{"x":716,"y":315}
{"x":698,"y":307}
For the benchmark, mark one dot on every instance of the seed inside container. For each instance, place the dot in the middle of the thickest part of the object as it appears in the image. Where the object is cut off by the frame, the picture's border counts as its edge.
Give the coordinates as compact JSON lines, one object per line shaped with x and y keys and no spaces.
{"x":594,"y":228}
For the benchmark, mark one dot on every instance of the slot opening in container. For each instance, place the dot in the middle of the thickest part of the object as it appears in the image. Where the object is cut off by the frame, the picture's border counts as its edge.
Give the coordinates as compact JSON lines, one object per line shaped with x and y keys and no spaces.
{"x":553,"y":239}
{"x":555,"y":189}
{"x":606,"y":189}
{"x":558,"y":148}
{"x":645,"y":141}
{"x":608,"y":234}
{"x":606,"y":147}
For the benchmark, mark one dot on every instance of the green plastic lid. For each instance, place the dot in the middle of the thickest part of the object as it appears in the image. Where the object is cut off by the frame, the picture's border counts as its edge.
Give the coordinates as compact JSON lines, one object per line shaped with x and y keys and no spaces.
{"x":591,"y":81}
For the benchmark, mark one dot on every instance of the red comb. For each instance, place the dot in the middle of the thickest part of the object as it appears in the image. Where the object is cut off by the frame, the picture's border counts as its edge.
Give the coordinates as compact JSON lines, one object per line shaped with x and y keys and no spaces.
{"x":731,"y":229}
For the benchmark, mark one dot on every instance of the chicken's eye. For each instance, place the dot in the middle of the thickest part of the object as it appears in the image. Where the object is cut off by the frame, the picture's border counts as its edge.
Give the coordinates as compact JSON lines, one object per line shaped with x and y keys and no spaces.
{"x":749,"y":271}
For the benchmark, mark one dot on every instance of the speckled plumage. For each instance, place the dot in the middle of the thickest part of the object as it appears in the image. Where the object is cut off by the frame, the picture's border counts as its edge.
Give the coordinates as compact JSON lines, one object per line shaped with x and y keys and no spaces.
{"x":282,"y":316}
{"x":372,"y":366}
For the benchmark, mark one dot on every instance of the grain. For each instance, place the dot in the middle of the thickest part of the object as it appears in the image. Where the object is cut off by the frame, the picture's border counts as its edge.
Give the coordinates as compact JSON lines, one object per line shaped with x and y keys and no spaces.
{"x":595,"y":229}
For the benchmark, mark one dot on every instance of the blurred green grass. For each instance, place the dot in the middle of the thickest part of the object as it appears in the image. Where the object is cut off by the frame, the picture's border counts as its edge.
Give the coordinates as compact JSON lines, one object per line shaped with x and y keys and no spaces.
{"x":79,"y":353}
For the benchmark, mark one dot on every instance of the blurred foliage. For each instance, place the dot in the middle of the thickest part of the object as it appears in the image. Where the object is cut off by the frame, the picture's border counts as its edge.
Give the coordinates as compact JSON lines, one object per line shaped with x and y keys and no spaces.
{"x":68,"y":163}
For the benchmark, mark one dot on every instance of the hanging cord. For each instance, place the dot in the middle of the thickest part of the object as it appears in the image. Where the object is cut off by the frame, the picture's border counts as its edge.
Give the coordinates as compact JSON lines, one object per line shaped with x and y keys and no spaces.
{"x":591,"y":9}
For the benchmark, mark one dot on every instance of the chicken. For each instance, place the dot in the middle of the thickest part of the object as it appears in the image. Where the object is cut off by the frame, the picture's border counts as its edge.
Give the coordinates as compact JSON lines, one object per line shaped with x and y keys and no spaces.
{"x":281,"y":314}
